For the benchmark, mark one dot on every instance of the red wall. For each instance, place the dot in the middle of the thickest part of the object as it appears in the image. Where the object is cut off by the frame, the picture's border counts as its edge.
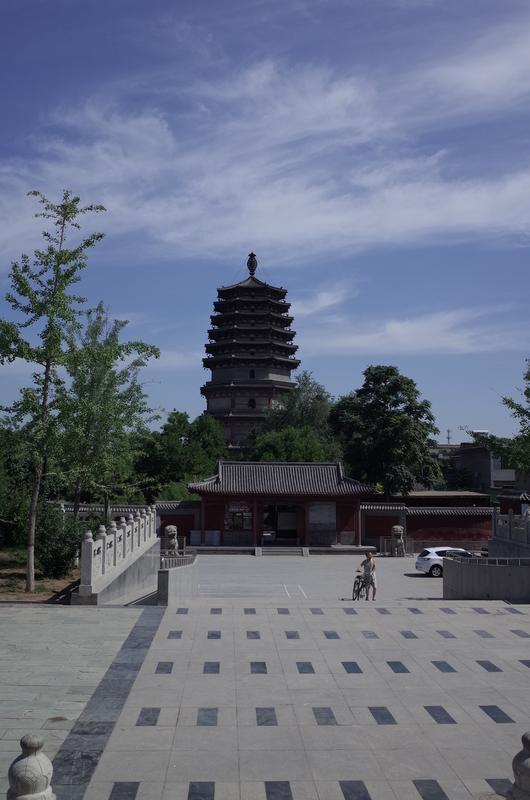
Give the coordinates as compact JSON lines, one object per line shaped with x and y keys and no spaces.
{"x":454,"y":527}
{"x":184,"y":522}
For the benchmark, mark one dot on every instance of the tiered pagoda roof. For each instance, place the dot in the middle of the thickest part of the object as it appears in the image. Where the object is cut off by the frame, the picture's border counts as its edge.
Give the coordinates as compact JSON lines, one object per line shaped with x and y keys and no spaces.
{"x":251,"y":326}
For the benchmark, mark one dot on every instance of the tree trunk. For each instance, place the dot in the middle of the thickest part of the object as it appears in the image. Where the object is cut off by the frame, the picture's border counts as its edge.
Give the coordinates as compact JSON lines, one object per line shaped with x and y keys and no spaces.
{"x":107,"y":507}
{"x":77,"y":499}
{"x":30,"y":565}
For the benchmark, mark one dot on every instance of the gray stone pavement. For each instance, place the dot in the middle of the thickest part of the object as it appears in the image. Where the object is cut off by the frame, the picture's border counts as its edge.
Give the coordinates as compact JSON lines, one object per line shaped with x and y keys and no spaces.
{"x":279,"y":694}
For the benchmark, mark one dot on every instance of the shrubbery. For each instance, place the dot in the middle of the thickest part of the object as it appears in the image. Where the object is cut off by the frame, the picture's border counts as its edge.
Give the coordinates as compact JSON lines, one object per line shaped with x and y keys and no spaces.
{"x":58,"y":541}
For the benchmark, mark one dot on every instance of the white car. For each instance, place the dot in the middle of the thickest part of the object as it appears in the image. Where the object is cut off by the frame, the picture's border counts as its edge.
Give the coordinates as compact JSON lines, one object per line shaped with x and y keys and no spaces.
{"x":430,"y":560}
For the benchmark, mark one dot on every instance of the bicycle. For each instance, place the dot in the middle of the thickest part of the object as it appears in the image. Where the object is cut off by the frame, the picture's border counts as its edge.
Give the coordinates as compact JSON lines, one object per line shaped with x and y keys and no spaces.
{"x":360,"y":588}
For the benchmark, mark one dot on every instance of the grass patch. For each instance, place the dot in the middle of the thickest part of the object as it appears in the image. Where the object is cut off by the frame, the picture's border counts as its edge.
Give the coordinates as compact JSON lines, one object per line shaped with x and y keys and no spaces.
{"x":13,"y":577}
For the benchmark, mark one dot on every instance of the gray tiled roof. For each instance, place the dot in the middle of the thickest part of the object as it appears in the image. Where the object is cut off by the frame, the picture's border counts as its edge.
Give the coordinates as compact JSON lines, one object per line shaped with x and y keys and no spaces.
{"x":466,"y":511}
{"x":281,"y":478}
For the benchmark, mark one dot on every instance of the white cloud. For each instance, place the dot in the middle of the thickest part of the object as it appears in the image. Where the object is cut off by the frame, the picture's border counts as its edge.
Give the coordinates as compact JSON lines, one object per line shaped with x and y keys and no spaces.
{"x":290,"y":162}
{"x":456,"y":332}
{"x":177,"y":359}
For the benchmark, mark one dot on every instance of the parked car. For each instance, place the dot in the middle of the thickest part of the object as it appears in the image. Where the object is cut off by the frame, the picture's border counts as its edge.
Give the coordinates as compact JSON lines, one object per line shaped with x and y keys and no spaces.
{"x":430,"y":560}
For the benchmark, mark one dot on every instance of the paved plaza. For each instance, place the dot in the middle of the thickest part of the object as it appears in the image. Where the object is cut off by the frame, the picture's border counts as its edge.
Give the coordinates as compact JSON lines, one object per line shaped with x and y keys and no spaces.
{"x":270,"y":685}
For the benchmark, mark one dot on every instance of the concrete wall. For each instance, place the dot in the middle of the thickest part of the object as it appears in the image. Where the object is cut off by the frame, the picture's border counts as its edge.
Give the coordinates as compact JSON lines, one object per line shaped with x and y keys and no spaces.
{"x":137,"y":575}
{"x":482,"y":581}
{"x":177,"y":584}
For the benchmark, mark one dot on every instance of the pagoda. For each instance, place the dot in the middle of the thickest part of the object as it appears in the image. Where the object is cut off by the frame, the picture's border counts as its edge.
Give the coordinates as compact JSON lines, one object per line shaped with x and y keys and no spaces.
{"x":250,"y":353}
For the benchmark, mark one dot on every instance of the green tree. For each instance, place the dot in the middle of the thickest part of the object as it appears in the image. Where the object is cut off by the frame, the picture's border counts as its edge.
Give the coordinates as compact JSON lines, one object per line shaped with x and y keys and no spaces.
{"x":515,"y":452}
{"x":385,"y":431}
{"x":291,"y":444}
{"x":104,"y":410}
{"x":15,"y":484}
{"x":307,"y":406}
{"x":41,"y":293}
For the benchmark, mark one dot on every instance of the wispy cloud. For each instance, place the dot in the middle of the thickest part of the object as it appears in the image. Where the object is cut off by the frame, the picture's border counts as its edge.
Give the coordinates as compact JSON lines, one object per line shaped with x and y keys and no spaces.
{"x":457,"y":332}
{"x":289,"y":161}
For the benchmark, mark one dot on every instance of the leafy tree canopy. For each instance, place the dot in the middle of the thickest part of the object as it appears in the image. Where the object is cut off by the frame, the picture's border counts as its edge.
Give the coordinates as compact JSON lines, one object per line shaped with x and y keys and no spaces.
{"x":515,"y":452}
{"x":291,"y":444}
{"x":385,"y":431}
{"x":307,"y":406}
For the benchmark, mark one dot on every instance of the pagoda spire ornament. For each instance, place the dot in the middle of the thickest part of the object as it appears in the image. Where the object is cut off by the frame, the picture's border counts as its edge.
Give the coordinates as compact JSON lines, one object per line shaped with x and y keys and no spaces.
{"x":252,"y":264}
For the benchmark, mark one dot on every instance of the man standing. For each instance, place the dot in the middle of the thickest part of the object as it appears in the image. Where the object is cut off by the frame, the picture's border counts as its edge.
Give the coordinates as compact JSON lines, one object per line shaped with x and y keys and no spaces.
{"x":369,"y":566}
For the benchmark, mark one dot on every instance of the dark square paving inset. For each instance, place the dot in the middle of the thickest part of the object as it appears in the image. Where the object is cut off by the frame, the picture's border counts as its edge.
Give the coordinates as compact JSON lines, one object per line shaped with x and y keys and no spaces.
{"x":316,"y":611}
{"x":292,"y":634}
{"x":182,"y":610}
{"x":489,"y":666}
{"x":278,"y":790}
{"x":349,"y":611}
{"x":124,"y":790}
{"x":370,"y":634}
{"x":484,"y":634}
{"x":216,"y":611}
{"x":522,"y":634}
{"x":382,"y":610}
{"x":440,"y":715}
{"x":514,"y":611}
{"x":164,"y":668}
{"x":174,"y":635}
{"x":382,"y":715}
{"x":408,"y":635}
{"x":258,"y":668}
{"x":443,"y":666}
{"x":207,"y":717}
{"x":214,"y":634}
{"x":253,"y":635}
{"x":305,"y":668}
{"x":481,"y":611}
{"x":415,"y":611}
{"x":148,"y":717}
{"x":352,"y":667}
{"x":266,"y":717}
{"x":283,"y":611}
{"x":324,"y":715}
{"x":430,"y":790}
{"x":525,"y":662}
{"x":354,"y":790}
{"x":211,"y":668}
{"x":448,"y":611}
{"x":249,"y":610}
{"x":397,"y":666}
{"x":496,"y":714}
{"x":499,"y":785}
{"x":331,"y":635}
{"x":446,"y":634}
{"x":201,"y":790}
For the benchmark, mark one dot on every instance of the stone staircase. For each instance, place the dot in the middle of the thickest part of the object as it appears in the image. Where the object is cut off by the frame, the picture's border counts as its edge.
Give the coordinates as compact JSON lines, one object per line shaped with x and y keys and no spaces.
{"x":281,"y":551}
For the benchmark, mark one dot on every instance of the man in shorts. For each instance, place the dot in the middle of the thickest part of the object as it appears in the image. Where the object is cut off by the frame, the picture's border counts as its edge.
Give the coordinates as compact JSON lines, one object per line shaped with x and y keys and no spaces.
{"x":368,"y":567}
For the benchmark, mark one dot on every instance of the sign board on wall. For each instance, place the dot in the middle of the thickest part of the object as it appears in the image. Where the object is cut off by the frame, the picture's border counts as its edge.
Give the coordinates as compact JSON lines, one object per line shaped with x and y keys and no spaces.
{"x":239,"y":508}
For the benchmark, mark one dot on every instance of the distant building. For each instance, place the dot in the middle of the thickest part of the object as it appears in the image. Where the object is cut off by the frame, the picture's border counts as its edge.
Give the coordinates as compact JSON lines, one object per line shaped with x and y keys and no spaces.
{"x":475,"y":468}
{"x":250,"y":353}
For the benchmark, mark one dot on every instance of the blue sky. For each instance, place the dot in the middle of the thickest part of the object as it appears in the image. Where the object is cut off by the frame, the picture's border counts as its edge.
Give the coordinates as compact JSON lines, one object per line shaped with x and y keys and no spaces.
{"x":373,"y":153}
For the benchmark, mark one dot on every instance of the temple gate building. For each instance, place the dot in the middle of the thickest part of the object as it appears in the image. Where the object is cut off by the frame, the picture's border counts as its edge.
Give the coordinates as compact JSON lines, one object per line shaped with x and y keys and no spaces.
{"x":250,"y":354}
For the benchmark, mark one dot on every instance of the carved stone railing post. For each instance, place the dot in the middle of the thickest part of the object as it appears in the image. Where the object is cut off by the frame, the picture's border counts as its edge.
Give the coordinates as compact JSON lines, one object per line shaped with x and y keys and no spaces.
{"x":143,"y":516}
{"x":137,"y":528}
{"x":130,"y":534}
{"x":87,"y":562}
{"x":112,"y":537}
{"x":31,"y":773}
{"x":521,"y":772}
{"x":122,"y":532}
{"x":101,"y":540}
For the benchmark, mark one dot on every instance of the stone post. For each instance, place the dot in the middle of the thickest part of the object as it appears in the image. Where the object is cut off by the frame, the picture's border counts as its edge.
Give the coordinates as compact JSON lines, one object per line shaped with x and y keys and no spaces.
{"x":144,"y":525}
{"x":31,"y":773}
{"x":87,"y":559}
{"x":130,"y":526}
{"x":112,"y":536}
{"x":138,"y":525}
{"x":123,"y":532}
{"x":102,"y":539}
{"x":521,"y":772}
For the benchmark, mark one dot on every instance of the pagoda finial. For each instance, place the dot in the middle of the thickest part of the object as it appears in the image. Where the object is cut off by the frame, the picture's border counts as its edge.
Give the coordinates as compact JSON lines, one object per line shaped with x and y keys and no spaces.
{"x":252,"y":263}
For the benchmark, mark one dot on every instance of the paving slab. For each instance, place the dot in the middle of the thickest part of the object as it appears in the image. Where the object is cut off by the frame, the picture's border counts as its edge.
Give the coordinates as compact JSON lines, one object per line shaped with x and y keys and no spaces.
{"x":281,"y":714}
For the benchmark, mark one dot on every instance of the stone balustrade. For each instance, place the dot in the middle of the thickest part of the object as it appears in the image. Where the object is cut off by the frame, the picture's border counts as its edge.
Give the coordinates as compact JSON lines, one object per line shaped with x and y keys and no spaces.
{"x":511,"y":534}
{"x":115,"y":547}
